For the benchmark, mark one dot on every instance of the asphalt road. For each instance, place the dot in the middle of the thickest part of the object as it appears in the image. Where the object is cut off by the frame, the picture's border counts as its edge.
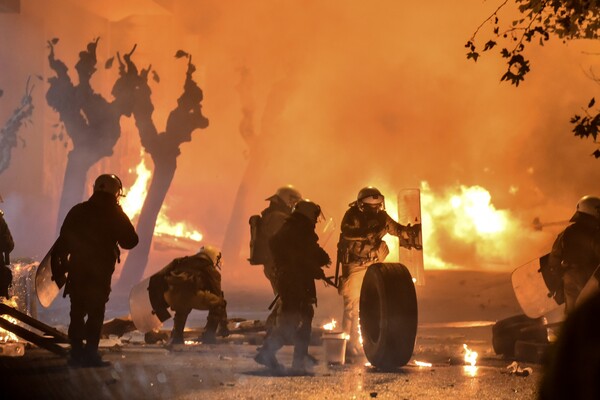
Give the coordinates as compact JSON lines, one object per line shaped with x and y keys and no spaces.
{"x":227,"y":371}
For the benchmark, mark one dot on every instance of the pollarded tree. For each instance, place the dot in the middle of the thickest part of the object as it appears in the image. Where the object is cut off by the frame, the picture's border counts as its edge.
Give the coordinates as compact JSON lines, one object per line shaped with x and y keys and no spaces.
{"x":163,"y":148}
{"x":91,"y":121}
{"x":538,"y":21}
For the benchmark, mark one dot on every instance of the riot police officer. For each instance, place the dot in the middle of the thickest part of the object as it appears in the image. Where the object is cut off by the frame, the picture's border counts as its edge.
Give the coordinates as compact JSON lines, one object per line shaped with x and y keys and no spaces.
{"x":299,"y":260}
{"x":194,"y":282}
{"x":575,"y":253}
{"x":86,"y":250}
{"x":361,"y":244}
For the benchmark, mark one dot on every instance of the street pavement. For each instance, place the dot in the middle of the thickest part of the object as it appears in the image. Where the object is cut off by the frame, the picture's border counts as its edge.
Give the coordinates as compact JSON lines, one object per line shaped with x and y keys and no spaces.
{"x":227,"y":370}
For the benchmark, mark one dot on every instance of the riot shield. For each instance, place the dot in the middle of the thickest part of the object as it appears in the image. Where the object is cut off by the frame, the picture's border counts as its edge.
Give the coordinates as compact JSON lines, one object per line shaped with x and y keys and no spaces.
{"x":531,"y":290}
{"x":144,"y":315}
{"x":409,"y":211}
{"x":45,"y":288}
{"x":324,"y":229}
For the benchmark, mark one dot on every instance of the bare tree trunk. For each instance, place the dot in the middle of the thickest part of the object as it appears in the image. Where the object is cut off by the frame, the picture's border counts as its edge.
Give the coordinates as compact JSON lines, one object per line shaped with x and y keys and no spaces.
{"x":135,"y":264}
{"x":79,"y":162}
{"x":164,"y":150}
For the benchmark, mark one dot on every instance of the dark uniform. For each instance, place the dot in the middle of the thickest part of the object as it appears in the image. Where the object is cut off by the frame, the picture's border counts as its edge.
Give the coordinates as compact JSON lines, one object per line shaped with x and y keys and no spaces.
{"x":299,"y":259}
{"x":87,"y":248}
{"x":189,"y":283}
{"x":273,"y":218}
{"x":574,"y":366}
{"x":6,"y":246}
{"x":574,"y":257}
{"x":361,"y":245}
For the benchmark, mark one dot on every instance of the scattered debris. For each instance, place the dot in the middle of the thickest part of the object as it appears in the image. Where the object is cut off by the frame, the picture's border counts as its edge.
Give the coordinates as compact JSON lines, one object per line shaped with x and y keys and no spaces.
{"x":118,"y":326}
{"x":515,"y":369}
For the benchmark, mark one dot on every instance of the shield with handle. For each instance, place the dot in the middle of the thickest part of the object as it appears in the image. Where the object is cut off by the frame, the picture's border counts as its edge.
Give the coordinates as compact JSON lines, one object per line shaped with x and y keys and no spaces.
{"x":409,"y":212}
{"x":46,"y":289}
{"x":147,"y":305}
{"x":531,"y":288}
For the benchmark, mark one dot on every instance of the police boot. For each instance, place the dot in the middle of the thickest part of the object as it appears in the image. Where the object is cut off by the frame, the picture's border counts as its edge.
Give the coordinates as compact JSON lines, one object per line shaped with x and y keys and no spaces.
{"x":91,"y":358}
{"x":209,"y":335}
{"x":76,"y":355}
{"x":268,"y":359}
{"x":177,"y":331}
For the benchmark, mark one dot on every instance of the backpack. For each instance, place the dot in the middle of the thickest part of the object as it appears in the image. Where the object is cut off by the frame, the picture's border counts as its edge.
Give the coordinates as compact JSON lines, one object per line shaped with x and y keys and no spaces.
{"x":257,"y":241}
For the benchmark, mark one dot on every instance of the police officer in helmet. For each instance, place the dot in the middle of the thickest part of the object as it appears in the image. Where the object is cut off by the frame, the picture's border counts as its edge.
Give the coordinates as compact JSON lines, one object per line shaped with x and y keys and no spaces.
{"x":299,"y":260}
{"x":361,"y":244}
{"x":87,"y":250}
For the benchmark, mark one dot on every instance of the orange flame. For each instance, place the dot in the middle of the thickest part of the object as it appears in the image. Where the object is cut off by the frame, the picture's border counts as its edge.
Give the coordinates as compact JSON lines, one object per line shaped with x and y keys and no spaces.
{"x":6,"y":336}
{"x":330,"y":325}
{"x":470,"y":356}
{"x":133,"y":201}
{"x":467,"y":215}
{"x":470,"y":360}
{"x":423,"y":364}
{"x":462,"y":213}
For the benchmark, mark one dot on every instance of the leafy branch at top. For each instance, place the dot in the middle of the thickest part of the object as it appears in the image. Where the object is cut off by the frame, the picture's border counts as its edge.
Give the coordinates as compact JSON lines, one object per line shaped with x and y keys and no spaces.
{"x":541,"y":19}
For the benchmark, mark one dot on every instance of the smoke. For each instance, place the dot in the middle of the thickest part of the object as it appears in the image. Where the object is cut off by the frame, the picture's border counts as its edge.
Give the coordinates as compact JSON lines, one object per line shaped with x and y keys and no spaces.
{"x":344,"y":95}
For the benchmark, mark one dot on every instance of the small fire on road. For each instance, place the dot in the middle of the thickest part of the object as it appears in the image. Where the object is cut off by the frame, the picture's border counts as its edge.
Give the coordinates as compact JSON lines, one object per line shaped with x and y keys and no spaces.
{"x":470,"y":361}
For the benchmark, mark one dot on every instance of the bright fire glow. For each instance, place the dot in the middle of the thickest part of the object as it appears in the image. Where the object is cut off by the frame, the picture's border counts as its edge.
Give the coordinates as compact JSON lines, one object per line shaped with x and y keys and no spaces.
{"x":470,"y":356}
{"x":460,"y":221}
{"x":133,"y":201}
{"x":471,"y":360}
{"x":330,"y":325}
{"x":6,"y":336}
{"x":423,"y":364}
{"x":464,"y":218}
{"x":360,"y":339}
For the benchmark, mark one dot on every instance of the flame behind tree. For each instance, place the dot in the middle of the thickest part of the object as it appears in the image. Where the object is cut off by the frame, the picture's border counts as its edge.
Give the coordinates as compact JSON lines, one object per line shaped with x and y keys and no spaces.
{"x":92,"y":122}
{"x":164,"y":150}
{"x":8,"y":133}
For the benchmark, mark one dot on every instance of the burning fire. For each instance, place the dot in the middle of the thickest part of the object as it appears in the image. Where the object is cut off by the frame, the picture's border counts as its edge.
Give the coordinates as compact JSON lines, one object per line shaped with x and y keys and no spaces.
{"x":132,"y":205}
{"x":6,"y":336}
{"x":423,"y":364}
{"x":470,"y":360}
{"x":330,"y":325}
{"x":470,"y":356}
{"x":464,"y":214}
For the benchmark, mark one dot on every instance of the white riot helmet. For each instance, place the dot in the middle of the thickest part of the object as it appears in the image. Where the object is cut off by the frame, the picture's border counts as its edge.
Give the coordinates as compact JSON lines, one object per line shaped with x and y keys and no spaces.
{"x":309,"y":209}
{"x":370,"y":198}
{"x":589,"y":205}
{"x":288,"y":195}
{"x":213,"y":253}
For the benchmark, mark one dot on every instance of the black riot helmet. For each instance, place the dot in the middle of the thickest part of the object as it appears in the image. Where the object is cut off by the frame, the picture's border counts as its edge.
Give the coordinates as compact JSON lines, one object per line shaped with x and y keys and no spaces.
{"x":370,"y":198}
{"x":309,"y":209}
{"x":109,"y":183}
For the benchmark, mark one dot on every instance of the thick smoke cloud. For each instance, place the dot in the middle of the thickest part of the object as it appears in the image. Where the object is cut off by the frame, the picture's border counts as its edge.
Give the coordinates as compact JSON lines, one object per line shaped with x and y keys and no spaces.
{"x":344,"y":94}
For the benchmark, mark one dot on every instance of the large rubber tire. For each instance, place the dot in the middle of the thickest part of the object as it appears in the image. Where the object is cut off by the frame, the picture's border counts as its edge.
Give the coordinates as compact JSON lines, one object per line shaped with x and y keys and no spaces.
{"x":388,"y":315}
{"x":506,"y":333}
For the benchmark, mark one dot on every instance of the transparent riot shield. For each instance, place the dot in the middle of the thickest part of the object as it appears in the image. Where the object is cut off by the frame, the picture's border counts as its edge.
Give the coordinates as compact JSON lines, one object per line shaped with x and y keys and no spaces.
{"x":45,"y":288}
{"x":324,"y":228}
{"x":143,"y":314}
{"x":409,"y":211}
{"x":531,"y":290}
